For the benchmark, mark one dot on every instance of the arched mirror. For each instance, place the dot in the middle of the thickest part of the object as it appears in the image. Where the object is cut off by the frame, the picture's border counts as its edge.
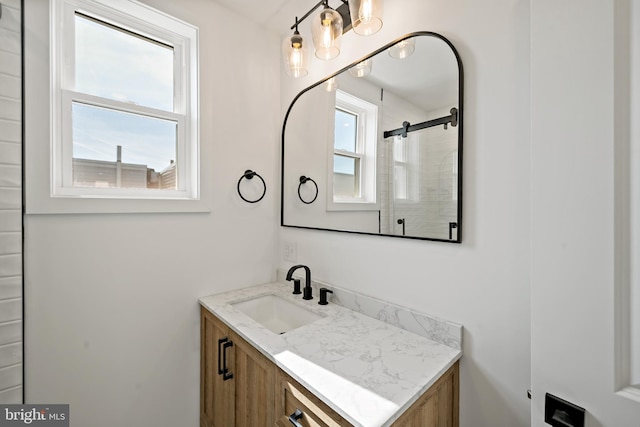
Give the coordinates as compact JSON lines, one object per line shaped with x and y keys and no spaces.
{"x":377,"y":148}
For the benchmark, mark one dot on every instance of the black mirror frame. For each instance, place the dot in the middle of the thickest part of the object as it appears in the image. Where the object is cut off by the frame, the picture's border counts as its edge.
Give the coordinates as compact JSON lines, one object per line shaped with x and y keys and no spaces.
{"x":460,"y":140}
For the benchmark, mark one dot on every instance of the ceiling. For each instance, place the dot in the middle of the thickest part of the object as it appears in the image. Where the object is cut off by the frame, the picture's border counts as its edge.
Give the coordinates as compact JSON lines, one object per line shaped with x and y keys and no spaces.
{"x":277,"y":15}
{"x":428,"y":78}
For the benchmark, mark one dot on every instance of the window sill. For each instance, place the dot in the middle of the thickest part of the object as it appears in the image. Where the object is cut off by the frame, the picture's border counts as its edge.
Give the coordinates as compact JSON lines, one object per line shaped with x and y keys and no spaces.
{"x":630,"y":392}
{"x":352,"y":206}
{"x":66,"y":205}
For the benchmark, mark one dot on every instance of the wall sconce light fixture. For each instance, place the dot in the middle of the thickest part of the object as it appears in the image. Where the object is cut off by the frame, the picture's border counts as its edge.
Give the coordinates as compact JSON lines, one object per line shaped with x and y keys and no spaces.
{"x":327,"y":28}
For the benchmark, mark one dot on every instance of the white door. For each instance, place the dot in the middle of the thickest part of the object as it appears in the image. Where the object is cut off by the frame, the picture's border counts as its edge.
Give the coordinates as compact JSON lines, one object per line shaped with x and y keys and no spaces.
{"x":580,"y":107}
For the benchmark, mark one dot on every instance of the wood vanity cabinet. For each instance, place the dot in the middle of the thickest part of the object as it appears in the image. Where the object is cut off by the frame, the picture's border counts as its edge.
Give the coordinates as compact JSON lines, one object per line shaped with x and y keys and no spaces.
{"x":236,"y":380}
{"x":292,"y":397}
{"x":240,"y":387}
{"x":437,"y":407}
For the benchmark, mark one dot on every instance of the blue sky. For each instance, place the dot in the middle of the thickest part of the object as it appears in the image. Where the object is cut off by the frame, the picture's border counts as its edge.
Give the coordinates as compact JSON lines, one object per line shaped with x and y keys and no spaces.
{"x":117,"y":65}
{"x":344,"y":139}
{"x":97,"y":132}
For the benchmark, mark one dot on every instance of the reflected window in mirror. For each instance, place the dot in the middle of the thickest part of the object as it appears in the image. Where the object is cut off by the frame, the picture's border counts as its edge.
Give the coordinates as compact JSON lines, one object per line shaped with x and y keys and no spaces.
{"x":346,"y":156}
{"x":353,"y":157}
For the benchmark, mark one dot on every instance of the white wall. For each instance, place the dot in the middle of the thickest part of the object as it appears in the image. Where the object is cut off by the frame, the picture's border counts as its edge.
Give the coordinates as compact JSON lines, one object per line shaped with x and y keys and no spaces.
{"x":484,"y":282}
{"x":10,"y":205}
{"x":112,"y":322}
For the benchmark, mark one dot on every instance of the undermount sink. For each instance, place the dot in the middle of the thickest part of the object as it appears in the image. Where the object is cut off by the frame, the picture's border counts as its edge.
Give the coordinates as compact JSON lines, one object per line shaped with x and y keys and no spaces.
{"x":276,"y":313}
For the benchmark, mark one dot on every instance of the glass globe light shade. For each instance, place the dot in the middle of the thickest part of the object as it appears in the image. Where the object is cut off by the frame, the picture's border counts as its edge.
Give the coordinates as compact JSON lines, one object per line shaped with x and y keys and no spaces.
{"x":361,"y":69}
{"x":332,"y":84}
{"x":366,"y":16}
{"x":294,"y":51}
{"x":326,"y":29}
{"x":403,"y":49}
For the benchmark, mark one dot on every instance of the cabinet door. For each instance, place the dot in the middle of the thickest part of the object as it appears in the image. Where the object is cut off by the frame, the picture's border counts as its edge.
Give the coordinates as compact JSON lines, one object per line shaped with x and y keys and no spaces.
{"x":293,"y":397}
{"x":438,"y":406}
{"x":254,"y":377}
{"x":216,"y":394}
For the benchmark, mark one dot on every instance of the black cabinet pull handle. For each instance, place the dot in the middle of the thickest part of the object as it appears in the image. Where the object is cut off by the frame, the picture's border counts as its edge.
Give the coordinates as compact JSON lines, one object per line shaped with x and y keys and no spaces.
{"x":220,"y":366}
{"x":226,"y":375}
{"x":293,"y":418}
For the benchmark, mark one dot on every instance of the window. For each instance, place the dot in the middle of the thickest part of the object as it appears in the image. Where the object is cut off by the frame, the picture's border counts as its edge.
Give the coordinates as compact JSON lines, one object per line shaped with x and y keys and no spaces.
{"x":346,"y":156}
{"x":125,"y":104}
{"x":353,"y":154}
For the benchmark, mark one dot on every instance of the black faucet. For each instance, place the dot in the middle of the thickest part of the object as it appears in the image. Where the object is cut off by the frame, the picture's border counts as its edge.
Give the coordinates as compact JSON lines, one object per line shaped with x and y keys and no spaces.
{"x":323,"y":296}
{"x":307,"y":291}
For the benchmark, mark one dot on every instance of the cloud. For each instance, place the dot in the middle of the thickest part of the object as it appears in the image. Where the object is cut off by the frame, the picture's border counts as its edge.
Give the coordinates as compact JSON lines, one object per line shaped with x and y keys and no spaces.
{"x":118,"y":65}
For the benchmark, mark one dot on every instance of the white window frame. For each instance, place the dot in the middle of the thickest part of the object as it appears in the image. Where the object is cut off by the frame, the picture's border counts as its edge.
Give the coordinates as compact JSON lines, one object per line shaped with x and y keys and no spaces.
{"x":147,"y":22}
{"x":366,"y":149}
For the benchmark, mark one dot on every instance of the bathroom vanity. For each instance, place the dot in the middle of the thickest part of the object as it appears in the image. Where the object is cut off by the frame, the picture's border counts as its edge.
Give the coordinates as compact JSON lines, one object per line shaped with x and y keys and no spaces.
{"x":324,"y":365}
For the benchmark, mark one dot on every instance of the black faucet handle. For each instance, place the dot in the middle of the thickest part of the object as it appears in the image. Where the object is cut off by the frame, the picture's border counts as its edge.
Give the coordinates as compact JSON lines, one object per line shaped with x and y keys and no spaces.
{"x":323,"y":296}
{"x":296,"y":287}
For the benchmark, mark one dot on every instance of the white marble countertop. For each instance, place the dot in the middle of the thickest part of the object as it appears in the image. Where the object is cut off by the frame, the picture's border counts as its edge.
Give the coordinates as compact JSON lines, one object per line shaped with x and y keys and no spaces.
{"x":366,"y":370}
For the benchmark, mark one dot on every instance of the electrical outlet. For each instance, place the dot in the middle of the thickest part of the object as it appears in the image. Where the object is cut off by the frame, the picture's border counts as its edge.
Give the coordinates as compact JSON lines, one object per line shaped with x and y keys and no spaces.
{"x":290,"y":251}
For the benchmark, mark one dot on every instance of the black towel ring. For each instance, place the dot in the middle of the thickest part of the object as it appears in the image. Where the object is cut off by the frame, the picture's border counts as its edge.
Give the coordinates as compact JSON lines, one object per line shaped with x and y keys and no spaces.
{"x":249,"y":174}
{"x":304,"y":180}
